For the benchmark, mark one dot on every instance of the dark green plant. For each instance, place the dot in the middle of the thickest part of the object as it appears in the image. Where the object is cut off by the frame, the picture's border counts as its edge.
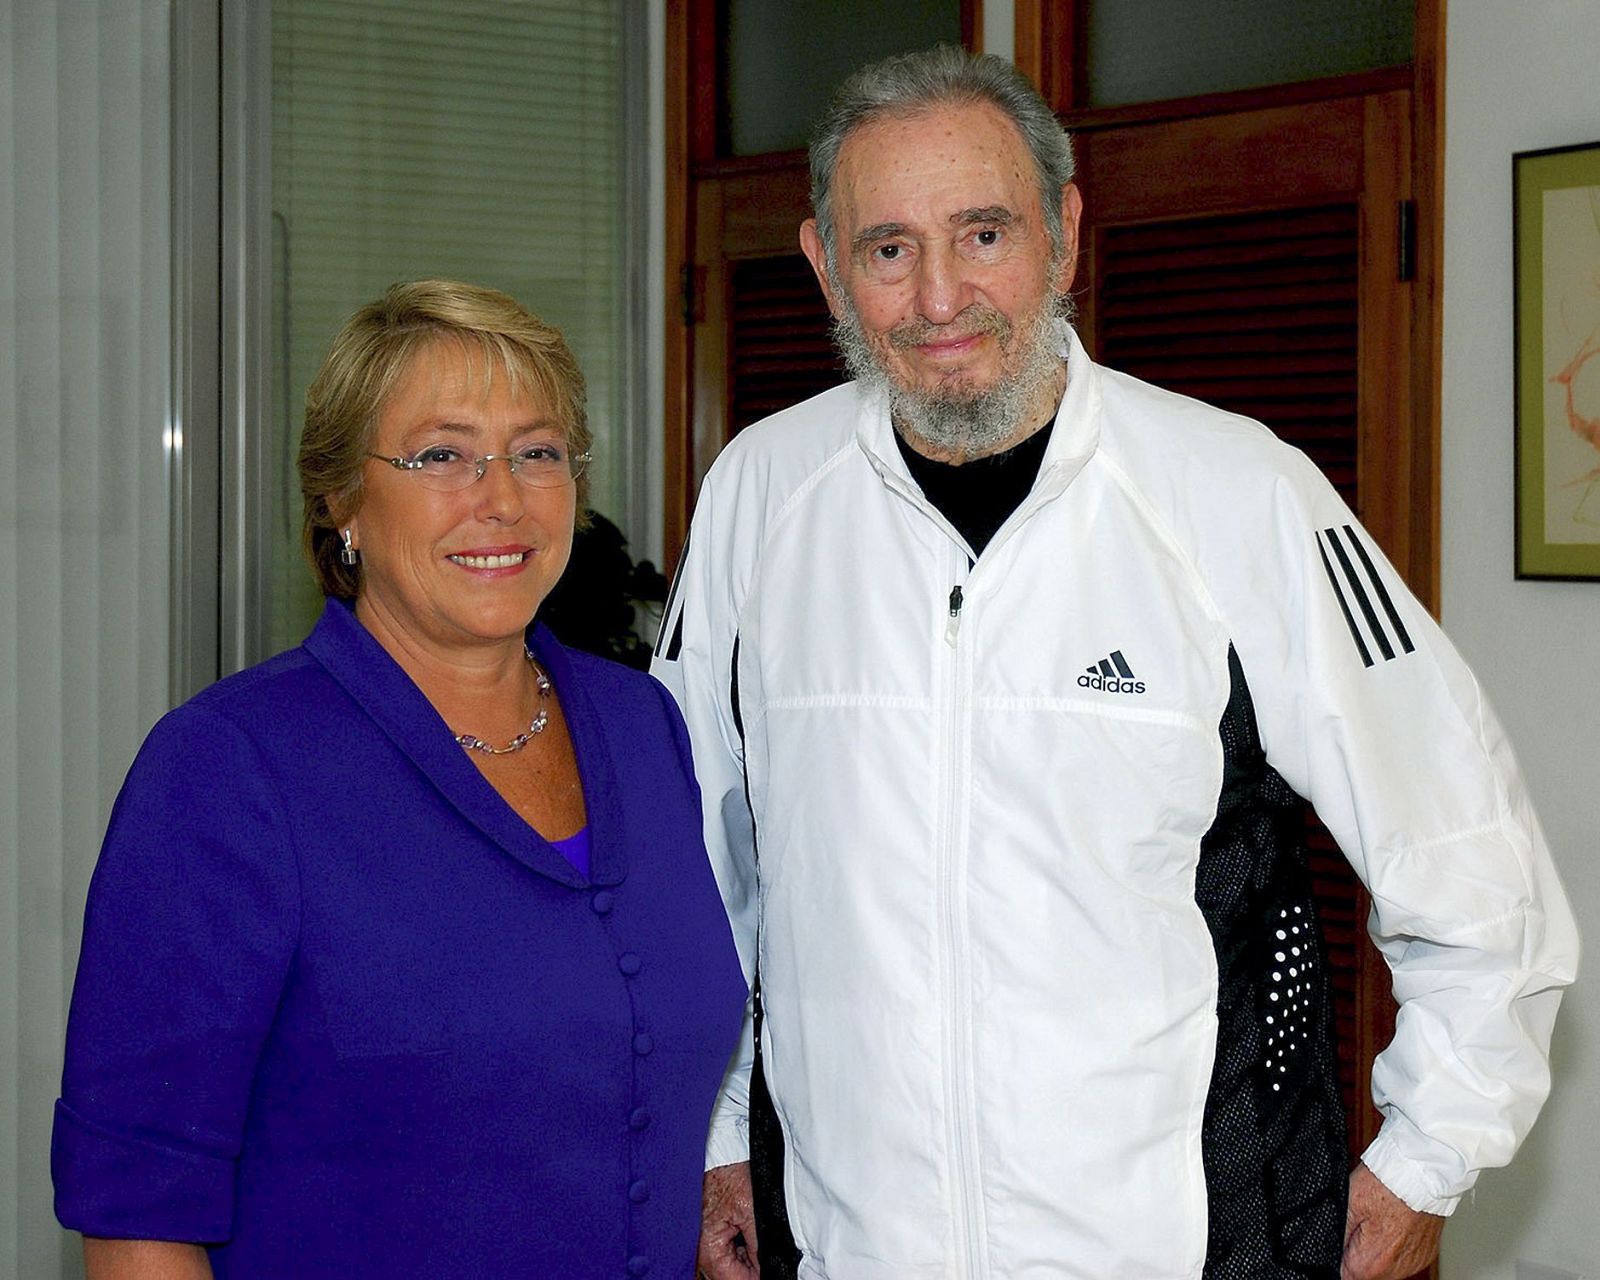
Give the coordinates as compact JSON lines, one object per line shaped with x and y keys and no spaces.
{"x":599,"y":600}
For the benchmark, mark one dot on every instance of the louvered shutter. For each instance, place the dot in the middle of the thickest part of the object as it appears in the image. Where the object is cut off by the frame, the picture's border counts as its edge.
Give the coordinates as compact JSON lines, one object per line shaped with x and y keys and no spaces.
{"x":779,"y":348}
{"x":1254,"y":313}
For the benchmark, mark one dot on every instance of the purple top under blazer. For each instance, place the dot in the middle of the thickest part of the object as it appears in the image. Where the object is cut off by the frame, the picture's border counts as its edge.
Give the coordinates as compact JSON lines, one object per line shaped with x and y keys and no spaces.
{"x":341,"y":1012}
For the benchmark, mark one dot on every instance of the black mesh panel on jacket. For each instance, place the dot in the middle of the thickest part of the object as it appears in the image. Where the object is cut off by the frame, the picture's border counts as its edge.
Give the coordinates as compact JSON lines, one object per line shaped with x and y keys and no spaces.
{"x":780,"y":1258}
{"x":1273,"y":1141}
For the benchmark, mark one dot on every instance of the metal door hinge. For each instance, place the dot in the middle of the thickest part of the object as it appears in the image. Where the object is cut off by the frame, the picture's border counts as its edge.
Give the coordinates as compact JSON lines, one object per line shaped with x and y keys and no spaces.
{"x":1406,"y":250}
{"x":692,"y":293}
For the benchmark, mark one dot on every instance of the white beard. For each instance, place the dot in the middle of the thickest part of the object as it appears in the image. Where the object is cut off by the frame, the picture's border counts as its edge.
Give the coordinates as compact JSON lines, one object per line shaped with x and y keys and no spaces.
{"x":962,"y":421}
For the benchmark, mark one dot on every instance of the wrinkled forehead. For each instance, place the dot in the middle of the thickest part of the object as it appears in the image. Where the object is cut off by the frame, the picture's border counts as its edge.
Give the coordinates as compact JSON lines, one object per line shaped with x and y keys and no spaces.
{"x":933,"y":163}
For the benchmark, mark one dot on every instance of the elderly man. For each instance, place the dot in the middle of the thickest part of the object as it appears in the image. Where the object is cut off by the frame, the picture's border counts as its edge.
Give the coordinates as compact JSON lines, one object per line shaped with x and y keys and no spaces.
{"x":1003,"y":672}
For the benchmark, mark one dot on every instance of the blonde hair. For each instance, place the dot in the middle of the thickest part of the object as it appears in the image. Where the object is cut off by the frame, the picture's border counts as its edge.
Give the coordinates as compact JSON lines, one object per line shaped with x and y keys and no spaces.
{"x":368,"y":358}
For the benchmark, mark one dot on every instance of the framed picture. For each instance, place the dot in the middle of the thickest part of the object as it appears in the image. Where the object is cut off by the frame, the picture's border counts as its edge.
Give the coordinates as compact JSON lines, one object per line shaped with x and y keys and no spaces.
{"x":1557,"y":232}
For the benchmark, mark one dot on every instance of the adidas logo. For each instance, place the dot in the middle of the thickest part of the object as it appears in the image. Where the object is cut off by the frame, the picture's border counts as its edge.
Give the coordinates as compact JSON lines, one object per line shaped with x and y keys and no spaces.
{"x":1111,"y":674}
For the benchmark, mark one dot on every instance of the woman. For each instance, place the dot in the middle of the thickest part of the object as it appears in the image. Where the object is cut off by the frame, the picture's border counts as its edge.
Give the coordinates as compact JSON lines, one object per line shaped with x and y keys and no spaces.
{"x":403,"y":957}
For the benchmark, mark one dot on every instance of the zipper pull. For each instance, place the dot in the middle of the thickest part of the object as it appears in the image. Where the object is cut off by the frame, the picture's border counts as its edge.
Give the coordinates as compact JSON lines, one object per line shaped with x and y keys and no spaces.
{"x":954,"y":625}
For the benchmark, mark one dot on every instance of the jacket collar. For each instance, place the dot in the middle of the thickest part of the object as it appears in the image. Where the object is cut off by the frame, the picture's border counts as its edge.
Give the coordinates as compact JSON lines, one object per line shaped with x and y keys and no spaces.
{"x":377,"y":683}
{"x":1072,"y":442}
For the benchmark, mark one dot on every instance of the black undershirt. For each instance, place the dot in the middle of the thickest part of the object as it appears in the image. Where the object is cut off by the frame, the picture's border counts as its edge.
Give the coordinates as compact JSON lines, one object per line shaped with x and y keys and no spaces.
{"x":977,"y":497}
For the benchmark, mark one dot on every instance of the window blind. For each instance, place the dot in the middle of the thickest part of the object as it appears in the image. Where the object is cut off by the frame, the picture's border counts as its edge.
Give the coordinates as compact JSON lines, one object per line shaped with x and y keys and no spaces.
{"x":481,"y":140}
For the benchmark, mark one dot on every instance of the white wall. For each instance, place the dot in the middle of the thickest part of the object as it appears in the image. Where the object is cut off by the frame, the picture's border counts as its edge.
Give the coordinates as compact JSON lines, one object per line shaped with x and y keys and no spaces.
{"x":1521,"y":76}
{"x":999,"y":35}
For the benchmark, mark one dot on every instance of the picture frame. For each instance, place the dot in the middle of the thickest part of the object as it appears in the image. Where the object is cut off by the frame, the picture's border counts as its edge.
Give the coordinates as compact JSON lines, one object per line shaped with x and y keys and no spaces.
{"x":1556,"y":237}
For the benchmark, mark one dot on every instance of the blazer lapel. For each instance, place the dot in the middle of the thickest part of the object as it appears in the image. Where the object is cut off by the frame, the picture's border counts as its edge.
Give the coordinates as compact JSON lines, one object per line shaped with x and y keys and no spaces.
{"x":364,"y":669}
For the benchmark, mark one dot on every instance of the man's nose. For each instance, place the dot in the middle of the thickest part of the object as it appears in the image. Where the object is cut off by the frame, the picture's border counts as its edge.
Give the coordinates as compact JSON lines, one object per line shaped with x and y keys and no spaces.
{"x":943,"y":290}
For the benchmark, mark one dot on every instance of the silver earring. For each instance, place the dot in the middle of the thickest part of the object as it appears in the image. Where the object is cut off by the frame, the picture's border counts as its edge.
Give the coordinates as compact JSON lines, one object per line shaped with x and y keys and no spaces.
{"x":349,"y":556}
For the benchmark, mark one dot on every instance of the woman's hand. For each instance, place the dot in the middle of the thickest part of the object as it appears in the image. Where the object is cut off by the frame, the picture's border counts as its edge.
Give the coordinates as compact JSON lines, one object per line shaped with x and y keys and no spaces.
{"x":143,"y":1260}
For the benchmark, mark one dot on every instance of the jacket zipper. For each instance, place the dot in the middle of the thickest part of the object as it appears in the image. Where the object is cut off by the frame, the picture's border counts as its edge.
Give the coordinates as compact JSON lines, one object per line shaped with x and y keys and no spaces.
{"x":957,"y":982}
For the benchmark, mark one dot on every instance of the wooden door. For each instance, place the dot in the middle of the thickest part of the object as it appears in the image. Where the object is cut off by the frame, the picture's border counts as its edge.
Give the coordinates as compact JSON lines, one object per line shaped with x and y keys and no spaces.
{"x":1260,"y":250}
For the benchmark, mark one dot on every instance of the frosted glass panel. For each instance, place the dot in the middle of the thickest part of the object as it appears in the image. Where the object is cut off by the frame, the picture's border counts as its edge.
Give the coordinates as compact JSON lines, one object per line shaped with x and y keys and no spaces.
{"x":1147,"y":50}
{"x":481,"y":140}
{"x":786,"y":57}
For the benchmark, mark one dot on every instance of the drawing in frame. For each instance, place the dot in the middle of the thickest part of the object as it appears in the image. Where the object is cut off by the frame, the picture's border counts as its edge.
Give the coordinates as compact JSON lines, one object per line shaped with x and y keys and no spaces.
{"x":1557,"y":266}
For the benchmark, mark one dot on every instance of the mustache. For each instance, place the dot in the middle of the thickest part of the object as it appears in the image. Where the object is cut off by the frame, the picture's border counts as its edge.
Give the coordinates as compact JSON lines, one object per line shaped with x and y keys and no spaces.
{"x":969,"y":323}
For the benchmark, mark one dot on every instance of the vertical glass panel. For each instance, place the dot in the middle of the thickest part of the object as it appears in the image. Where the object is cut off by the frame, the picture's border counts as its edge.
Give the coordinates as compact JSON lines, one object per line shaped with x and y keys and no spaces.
{"x":85,"y":438}
{"x":481,"y":140}
{"x":786,"y":57}
{"x":1148,"y":50}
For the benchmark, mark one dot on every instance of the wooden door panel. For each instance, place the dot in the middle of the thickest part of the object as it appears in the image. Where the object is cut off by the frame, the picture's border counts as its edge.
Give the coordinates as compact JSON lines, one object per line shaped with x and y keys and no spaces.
{"x":764,"y":210}
{"x":706,"y":315}
{"x":1289,"y":154}
{"x":1388,"y":435}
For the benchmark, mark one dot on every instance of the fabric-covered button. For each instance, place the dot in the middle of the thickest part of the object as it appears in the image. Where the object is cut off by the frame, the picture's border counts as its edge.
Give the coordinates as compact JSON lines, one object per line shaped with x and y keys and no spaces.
{"x":639,"y":1118}
{"x":638,"y":1265}
{"x":643,"y":1043}
{"x":639,"y":1192}
{"x":603,"y":901}
{"x":629,"y":963}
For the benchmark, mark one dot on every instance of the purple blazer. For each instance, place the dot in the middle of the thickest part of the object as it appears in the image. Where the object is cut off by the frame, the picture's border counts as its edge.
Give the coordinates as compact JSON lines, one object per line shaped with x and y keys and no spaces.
{"x":341,"y":1012}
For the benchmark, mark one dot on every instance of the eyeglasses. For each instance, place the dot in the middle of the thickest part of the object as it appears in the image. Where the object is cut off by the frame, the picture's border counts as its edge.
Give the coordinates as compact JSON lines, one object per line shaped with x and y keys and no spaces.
{"x":444,"y":467}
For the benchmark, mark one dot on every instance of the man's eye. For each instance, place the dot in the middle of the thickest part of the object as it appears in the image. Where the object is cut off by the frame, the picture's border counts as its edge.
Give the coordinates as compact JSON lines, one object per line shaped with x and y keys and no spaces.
{"x":888,"y":252}
{"x":988,"y":236}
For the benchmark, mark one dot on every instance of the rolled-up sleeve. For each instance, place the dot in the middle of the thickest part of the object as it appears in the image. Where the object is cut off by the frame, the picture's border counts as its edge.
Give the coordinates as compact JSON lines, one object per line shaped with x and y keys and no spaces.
{"x":189,"y":931}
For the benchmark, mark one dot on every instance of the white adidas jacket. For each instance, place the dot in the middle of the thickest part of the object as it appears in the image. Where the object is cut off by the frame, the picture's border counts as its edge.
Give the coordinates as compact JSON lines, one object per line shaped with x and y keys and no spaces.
{"x":979,"y":794}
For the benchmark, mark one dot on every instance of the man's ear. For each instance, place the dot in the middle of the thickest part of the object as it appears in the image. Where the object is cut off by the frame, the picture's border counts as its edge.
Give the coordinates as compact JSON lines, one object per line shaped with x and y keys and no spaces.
{"x":816,"y":255}
{"x":1071,"y":216}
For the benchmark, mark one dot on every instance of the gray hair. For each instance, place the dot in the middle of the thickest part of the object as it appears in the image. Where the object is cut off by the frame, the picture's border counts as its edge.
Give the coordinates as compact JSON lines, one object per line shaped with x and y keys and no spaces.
{"x":911,"y":83}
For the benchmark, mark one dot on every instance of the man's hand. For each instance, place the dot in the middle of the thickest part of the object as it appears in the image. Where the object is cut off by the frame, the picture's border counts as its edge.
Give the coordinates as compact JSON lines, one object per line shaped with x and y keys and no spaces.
{"x":1385,"y":1239}
{"x":728,"y":1224}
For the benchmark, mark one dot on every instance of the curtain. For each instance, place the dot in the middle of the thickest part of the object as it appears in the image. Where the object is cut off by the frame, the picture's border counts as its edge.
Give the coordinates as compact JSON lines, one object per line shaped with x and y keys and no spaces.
{"x":85,"y":268}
